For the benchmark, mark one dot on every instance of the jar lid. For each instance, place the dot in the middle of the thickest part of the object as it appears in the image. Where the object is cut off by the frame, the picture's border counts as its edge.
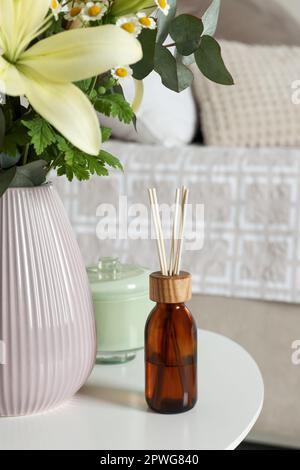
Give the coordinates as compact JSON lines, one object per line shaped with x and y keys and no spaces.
{"x":111,"y":280}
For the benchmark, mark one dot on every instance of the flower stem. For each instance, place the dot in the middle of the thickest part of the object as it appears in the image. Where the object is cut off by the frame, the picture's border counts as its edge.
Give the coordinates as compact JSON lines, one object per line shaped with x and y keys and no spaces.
{"x":54,"y":163}
{"x":93,"y":84}
{"x":26,"y":152}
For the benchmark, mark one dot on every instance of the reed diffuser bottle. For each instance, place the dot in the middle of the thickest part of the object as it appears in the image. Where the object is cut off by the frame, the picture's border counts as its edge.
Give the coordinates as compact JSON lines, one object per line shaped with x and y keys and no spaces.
{"x":171,"y":346}
{"x":171,"y":332}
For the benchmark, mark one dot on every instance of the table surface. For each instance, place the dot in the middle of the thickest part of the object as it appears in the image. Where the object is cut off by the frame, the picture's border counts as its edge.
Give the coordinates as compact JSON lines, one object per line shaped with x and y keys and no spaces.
{"x":110,"y":411}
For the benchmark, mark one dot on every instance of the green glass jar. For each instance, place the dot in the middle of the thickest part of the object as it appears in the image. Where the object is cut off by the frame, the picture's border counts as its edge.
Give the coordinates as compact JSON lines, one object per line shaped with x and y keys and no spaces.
{"x":121,"y":299}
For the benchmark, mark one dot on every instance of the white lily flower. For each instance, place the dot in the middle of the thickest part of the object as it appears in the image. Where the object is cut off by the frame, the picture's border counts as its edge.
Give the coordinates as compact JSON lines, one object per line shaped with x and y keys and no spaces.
{"x":44,"y":72}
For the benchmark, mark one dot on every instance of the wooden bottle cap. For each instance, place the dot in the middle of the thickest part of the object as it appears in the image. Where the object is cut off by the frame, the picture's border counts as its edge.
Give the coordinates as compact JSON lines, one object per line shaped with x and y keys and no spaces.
{"x":170,"y":289}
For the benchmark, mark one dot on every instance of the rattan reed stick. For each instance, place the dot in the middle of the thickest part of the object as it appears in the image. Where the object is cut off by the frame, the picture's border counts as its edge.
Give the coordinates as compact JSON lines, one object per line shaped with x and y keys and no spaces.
{"x":181,"y":200}
{"x":174,"y":234}
{"x":185,"y":195}
{"x":159,"y":232}
{"x":161,"y":235}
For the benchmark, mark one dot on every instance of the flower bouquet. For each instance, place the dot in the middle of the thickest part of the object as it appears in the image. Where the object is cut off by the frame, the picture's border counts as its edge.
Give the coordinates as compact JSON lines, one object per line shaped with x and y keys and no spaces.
{"x":62,"y":64}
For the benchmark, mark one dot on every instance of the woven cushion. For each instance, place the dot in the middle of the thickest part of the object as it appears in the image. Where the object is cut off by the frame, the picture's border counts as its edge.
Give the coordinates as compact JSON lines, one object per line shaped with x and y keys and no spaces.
{"x":258,"y":110}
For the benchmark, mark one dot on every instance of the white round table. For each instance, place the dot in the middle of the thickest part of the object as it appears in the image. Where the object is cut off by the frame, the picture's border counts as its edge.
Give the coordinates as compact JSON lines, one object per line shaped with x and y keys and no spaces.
{"x":110,"y":411}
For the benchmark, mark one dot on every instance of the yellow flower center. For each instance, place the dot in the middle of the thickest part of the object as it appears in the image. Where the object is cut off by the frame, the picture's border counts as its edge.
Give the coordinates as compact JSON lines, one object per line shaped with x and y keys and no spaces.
{"x":129,"y":27}
{"x":121,"y":72}
{"x":162,"y":3}
{"x":94,"y":10}
{"x":54,"y":4}
{"x":145,"y":21}
{"x":75,"y":11}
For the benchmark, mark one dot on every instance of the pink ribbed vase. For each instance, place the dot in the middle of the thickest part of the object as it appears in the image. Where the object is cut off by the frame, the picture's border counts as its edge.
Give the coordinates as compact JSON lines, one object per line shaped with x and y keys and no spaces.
{"x":47,"y":328}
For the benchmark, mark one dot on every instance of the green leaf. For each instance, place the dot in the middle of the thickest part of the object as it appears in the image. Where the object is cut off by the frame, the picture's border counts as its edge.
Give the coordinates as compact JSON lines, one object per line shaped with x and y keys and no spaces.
{"x":16,"y":136}
{"x":32,"y":174}
{"x":209,"y":60}
{"x":2,"y":127}
{"x":84,"y":85}
{"x":62,"y":144}
{"x":186,"y":31}
{"x":76,"y":164}
{"x":80,"y":172}
{"x":164,"y":21}
{"x":188,"y":60}
{"x":8,"y":116}
{"x":10,"y":145}
{"x":103,"y":105}
{"x":210,"y":18}
{"x":96,"y":166}
{"x":115,"y":105}
{"x":41,"y":133}
{"x":107,"y":82}
{"x":6,"y":177}
{"x":174,"y":74}
{"x":110,"y":160}
{"x":145,"y":66}
{"x":93,"y":96}
{"x":20,"y":133}
{"x":106,"y":133}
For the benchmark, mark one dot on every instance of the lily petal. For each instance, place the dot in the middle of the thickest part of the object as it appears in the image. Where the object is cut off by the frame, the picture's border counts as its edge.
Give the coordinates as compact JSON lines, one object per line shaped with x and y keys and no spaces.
{"x":79,"y":54}
{"x":14,"y":30}
{"x":11,"y":80}
{"x":34,"y":11}
{"x":7,"y":21}
{"x":68,"y":110}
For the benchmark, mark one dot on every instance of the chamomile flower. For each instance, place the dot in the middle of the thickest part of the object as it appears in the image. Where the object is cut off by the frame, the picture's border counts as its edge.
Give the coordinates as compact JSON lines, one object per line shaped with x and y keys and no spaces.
{"x":163,"y":5}
{"x":74,"y":11}
{"x":122,"y":72}
{"x":145,"y":21}
{"x":130,"y":24}
{"x":57,"y":8}
{"x":94,"y":11}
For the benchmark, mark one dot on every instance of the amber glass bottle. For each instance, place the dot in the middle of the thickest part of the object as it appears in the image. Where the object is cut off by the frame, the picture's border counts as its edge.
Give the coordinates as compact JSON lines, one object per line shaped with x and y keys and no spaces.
{"x":171,"y":346}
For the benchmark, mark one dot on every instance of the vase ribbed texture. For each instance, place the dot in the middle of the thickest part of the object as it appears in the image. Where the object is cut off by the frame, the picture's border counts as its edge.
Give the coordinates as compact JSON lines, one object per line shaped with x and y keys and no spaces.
{"x":46,"y":314}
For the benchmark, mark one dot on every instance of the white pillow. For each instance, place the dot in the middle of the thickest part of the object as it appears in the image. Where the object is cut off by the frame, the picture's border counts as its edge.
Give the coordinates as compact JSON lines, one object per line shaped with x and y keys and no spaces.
{"x":164,"y":118}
